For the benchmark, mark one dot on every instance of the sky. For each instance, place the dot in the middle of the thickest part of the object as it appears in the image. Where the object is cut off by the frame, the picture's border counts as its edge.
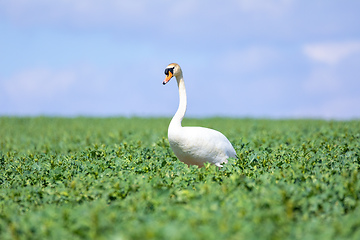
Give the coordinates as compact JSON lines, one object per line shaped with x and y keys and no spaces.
{"x":240,"y":58}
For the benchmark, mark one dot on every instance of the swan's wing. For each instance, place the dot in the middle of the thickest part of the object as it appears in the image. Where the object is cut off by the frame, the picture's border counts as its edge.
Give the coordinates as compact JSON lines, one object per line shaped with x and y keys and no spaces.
{"x":209,"y":141}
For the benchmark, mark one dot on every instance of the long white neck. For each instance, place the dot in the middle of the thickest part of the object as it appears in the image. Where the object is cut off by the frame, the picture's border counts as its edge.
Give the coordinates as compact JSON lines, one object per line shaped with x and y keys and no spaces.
{"x":180,"y":113}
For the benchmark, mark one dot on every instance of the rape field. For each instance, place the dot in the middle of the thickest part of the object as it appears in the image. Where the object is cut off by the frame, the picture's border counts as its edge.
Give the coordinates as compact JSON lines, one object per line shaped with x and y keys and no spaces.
{"x":117,"y":178}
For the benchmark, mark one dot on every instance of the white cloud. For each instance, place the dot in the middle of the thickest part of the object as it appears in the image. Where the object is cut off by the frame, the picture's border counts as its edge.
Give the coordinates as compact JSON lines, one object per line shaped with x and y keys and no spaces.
{"x":269,"y":7}
{"x":183,"y":8}
{"x":334,"y":108}
{"x":49,"y":84}
{"x":323,"y":80}
{"x":332,"y":85}
{"x":92,"y":12}
{"x":48,"y":91}
{"x":78,"y":12}
{"x":331,"y":53}
{"x":38,"y":83}
{"x":250,"y":59}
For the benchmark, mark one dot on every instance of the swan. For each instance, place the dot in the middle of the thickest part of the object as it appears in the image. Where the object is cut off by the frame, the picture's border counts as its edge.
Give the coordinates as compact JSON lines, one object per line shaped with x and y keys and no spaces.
{"x":194,"y":145}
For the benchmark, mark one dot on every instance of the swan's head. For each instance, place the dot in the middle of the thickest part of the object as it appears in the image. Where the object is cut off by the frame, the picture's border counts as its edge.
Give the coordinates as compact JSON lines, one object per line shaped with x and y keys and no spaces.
{"x":172,"y":70}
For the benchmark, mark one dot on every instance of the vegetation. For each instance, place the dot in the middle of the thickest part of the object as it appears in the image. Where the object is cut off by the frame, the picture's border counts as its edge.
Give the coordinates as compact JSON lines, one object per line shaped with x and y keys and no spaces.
{"x":117,"y":178}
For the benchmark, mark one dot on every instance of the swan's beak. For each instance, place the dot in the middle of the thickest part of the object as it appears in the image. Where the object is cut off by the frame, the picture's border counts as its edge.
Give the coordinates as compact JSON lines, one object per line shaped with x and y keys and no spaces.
{"x":168,"y":77}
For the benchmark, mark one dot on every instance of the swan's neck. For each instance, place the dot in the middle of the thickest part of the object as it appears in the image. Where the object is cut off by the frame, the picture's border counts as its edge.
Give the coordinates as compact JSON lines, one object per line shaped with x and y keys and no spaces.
{"x":180,"y":113}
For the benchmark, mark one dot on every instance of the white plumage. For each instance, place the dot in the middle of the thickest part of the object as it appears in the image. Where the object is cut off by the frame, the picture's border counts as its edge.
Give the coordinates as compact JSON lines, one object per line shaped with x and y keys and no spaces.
{"x":194,"y":145}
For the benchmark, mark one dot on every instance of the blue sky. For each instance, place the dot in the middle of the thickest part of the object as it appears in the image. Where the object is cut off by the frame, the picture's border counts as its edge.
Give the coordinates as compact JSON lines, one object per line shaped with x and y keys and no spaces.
{"x":240,"y":58}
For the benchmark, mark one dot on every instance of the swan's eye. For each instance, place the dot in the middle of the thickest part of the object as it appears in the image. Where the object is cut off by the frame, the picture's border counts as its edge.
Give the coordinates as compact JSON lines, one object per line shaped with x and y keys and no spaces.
{"x":167,"y":70}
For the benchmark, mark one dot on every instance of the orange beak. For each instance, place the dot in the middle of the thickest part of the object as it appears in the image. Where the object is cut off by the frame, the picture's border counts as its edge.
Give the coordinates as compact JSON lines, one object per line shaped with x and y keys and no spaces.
{"x":167,"y":78}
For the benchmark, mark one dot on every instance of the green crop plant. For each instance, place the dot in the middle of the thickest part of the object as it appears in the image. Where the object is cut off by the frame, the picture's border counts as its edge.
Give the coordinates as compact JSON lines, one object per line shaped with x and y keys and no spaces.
{"x":117,"y":178}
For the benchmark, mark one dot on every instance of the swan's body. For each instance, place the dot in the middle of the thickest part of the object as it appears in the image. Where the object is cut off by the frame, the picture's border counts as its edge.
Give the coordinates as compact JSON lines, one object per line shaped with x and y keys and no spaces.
{"x":194,"y":145}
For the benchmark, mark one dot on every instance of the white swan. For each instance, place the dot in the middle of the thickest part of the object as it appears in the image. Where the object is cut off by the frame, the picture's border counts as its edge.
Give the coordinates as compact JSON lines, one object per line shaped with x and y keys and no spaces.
{"x":194,"y":145}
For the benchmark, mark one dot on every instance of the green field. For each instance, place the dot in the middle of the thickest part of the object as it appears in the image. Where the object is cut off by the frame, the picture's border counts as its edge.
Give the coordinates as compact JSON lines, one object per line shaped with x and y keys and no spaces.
{"x":117,"y":178}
